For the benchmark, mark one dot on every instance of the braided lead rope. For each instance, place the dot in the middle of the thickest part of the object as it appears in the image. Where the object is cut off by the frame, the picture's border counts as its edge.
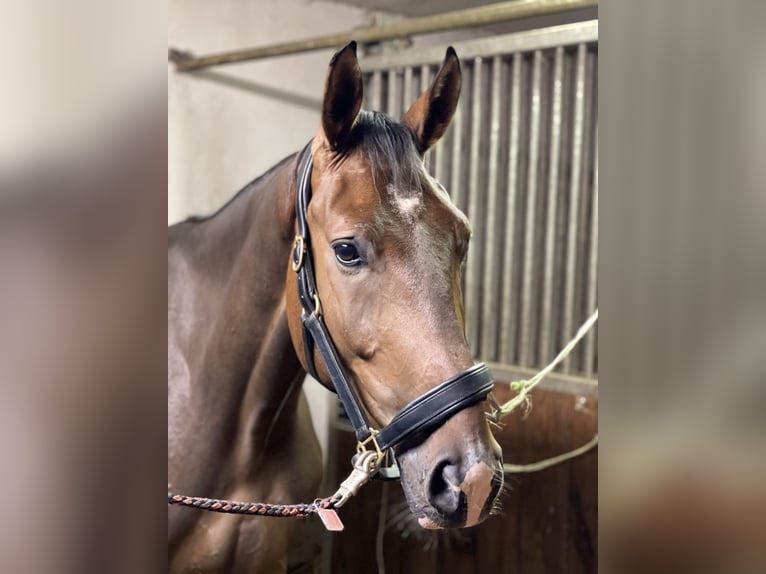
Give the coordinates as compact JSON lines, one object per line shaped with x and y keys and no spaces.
{"x":365,"y":465}
{"x":254,"y":508}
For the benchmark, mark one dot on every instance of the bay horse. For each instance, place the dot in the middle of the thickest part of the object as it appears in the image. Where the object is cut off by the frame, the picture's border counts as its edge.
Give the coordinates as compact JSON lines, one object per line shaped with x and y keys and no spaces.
{"x":387,"y":247}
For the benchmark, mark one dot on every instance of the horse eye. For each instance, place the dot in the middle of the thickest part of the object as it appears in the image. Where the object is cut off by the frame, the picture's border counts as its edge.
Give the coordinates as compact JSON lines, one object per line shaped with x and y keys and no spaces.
{"x":347,"y":254}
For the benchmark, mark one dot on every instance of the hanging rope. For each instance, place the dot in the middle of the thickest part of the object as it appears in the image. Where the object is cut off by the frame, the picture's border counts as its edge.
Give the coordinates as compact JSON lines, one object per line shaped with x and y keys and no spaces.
{"x":526,"y":385}
{"x":523,"y":387}
{"x":549,"y":462}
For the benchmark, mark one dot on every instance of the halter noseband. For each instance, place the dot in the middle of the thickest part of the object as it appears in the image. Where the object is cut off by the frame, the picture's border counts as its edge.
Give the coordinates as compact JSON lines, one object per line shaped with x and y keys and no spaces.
{"x":419,"y":417}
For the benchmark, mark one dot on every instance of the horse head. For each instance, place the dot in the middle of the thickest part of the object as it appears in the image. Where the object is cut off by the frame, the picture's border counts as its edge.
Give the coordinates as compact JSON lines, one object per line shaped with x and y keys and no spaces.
{"x":388,"y":246}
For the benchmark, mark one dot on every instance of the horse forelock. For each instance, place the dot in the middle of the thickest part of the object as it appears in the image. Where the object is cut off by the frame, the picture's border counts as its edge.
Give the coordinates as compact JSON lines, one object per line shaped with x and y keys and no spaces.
{"x":396,"y":168}
{"x":389,"y":148}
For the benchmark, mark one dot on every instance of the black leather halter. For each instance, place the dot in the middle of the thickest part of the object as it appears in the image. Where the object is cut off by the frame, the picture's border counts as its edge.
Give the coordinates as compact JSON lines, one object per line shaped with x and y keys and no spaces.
{"x":416,"y":419}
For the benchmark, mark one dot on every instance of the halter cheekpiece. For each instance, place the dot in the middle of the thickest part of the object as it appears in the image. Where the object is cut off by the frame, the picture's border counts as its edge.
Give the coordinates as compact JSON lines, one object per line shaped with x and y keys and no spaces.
{"x":419,"y":417}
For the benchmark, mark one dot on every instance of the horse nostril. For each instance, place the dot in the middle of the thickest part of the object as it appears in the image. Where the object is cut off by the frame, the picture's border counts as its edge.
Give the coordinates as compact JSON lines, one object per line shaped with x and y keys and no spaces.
{"x":444,"y":488}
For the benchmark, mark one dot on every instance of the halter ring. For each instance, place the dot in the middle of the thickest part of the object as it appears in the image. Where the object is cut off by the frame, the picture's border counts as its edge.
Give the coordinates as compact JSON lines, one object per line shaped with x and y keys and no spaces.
{"x":299,"y":249}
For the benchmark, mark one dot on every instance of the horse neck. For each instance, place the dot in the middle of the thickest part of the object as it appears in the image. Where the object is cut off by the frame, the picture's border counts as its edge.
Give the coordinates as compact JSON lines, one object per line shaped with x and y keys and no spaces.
{"x":250,"y":350}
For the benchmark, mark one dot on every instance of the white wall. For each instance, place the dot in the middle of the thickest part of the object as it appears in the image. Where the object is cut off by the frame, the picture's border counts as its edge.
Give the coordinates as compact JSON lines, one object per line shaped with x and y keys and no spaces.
{"x":71,"y":73}
{"x":230,"y":124}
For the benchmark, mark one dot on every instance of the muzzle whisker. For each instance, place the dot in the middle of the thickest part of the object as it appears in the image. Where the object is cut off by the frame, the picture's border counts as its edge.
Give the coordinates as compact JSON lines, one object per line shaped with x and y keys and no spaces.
{"x":401,"y":519}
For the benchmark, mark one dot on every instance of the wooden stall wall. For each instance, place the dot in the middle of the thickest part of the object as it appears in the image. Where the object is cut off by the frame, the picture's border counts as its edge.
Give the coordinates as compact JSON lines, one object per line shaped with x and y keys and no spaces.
{"x":548,"y":521}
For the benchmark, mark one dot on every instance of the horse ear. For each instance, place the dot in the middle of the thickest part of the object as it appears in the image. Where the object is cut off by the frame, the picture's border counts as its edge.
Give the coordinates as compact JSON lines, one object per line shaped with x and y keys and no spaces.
{"x":430,"y":115}
{"x":342,"y":96}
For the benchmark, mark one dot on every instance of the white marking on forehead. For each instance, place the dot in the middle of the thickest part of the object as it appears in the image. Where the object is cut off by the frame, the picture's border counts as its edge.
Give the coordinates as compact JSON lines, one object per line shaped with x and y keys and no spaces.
{"x":407,"y":206}
{"x":406,"y":202}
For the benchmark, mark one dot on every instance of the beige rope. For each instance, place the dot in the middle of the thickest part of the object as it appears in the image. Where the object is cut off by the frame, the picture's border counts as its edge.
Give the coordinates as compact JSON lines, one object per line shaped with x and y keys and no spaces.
{"x":526,"y":385}
{"x":549,"y":462}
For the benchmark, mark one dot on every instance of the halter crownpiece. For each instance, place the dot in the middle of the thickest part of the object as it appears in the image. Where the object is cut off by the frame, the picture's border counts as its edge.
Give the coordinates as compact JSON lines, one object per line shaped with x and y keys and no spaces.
{"x":416,"y":420}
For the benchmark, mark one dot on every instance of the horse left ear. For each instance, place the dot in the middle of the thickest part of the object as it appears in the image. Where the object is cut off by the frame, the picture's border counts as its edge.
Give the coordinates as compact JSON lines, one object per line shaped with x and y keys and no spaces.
{"x":342,"y":96}
{"x":430,"y":115}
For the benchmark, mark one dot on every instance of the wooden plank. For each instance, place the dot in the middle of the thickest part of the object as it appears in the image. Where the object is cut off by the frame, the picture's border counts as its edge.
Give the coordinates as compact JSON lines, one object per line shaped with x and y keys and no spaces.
{"x":582,"y":505}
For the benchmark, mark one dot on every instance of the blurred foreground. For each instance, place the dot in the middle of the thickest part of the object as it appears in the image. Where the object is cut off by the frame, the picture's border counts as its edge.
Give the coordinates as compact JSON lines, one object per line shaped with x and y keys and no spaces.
{"x":83,"y":160}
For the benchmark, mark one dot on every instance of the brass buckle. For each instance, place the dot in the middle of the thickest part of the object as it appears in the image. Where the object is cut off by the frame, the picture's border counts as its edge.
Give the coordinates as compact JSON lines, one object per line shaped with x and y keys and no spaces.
{"x":298,"y":243}
{"x":317,"y":306}
{"x":361,"y":446}
{"x":387,"y":468}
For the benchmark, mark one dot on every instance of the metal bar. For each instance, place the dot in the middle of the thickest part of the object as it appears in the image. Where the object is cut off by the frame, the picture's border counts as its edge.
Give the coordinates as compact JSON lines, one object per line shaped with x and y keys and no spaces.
{"x":471,"y":17}
{"x":442,"y":151}
{"x":579,"y":357}
{"x":546,"y":322}
{"x":529,"y":225}
{"x":461,"y":161}
{"x":487,"y":47}
{"x":574,"y":202}
{"x":555,"y":382}
{"x":377,"y":90}
{"x":507,"y":335}
{"x":393,"y":105}
{"x":491,"y":271}
{"x":425,"y":77}
{"x":590,"y":338}
{"x":407,"y":88}
{"x":436,"y":152}
{"x":425,"y":83}
{"x":440,"y":155}
{"x":473,"y":264}
{"x":456,"y":168}
{"x":407,"y":96}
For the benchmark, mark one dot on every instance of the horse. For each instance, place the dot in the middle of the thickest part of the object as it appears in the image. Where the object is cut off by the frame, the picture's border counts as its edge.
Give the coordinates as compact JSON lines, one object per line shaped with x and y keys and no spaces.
{"x":387,"y":246}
